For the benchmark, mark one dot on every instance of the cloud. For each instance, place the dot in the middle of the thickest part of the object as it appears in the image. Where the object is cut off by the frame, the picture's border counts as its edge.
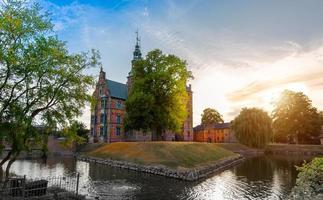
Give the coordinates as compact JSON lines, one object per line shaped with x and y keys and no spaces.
{"x":238,"y":58}
{"x":311,"y":79}
{"x":305,"y":68}
{"x":145,"y":13}
{"x":64,"y":17}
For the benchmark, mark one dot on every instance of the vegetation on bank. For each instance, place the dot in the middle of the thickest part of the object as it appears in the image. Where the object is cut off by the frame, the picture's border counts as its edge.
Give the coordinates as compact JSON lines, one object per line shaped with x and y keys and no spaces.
{"x":309,"y":183}
{"x":170,"y":154}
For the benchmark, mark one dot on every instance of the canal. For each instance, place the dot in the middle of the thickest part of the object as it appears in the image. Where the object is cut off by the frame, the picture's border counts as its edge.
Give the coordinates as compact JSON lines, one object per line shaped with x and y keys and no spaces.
{"x":264,"y":177}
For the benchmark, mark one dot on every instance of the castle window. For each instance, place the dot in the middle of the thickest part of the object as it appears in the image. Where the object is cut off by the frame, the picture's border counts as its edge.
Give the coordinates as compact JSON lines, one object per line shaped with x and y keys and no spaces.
{"x":102,"y":119}
{"x":101,"y":131}
{"x":118,"y":119}
{"x":103,"y":104}
{"x":118,"y":130}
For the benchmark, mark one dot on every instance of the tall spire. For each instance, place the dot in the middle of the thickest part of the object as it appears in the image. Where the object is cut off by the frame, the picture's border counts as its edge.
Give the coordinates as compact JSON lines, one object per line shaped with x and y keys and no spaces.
{"x":137,"y":52}
{"x":102,"y":73}
{"x":137,"y":38}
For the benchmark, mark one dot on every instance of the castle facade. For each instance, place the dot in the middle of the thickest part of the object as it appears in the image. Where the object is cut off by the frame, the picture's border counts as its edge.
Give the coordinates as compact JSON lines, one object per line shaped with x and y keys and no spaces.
{"x":107,"y":114}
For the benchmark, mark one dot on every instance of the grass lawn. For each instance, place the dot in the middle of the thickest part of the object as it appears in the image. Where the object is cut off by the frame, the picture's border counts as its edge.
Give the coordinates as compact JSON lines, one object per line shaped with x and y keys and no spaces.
{"x":235,"y":147}
{"x":170,"y":154}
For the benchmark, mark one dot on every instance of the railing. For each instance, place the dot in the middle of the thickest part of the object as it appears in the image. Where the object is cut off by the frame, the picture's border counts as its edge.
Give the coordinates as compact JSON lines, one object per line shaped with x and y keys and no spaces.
{"x":22,"y":188}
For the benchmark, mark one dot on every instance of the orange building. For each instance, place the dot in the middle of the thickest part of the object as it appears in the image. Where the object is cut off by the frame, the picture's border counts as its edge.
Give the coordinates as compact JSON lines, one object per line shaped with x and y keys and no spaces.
{"x":218,"y":133}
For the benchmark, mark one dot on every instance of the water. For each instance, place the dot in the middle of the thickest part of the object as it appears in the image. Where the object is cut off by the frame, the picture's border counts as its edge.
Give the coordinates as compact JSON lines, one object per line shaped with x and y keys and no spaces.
{"x":270,"y":177}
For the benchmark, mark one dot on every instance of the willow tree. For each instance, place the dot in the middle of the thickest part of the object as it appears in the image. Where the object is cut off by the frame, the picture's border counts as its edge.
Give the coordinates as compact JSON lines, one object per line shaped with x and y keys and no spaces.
{"x":211,"y":116}
{"x":253,"y":127}
{"x":295,"y":118}
{"x":158,"y":97}
{"x":40,"y":81}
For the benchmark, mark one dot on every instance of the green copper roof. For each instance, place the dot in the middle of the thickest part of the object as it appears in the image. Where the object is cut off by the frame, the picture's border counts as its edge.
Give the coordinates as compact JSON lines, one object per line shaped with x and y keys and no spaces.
{"x":117,"y":90}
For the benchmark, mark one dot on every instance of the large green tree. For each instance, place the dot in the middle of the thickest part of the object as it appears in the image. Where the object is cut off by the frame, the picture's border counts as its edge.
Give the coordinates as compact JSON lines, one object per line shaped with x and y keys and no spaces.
{"x":295,"y":118}
{"x":40,"y":81}
{"x":211,"y":116}
{"x":158,"y":97}
{"x":253,"y":127}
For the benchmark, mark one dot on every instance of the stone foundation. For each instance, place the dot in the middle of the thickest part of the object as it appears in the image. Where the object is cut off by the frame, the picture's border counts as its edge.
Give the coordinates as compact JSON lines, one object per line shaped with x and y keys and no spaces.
{"x":183,"y":174}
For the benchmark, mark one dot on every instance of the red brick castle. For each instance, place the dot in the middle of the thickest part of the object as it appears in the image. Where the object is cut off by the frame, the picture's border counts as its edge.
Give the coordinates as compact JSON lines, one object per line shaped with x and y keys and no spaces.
{"x":108,"y":112}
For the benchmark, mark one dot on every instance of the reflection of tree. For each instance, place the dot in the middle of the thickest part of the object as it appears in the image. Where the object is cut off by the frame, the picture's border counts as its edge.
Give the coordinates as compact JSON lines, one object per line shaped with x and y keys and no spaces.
{"x":285,"y":168}
{"x":52,"y":161}
{"x":255,"y":169}
{"x":259,"y":172}
{"x":256,"y":174}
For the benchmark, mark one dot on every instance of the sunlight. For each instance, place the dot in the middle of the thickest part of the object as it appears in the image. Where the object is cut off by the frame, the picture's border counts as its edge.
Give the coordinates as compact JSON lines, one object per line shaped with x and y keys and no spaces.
{"x":272,"y":95}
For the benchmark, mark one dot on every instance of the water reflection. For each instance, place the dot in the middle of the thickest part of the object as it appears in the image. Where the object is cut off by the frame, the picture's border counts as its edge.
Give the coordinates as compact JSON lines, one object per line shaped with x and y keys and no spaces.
{"x":270,"y":177}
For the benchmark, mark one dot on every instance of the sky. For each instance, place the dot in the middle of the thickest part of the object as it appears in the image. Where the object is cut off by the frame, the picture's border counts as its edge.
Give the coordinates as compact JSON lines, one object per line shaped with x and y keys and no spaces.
{"x":241,"y":53}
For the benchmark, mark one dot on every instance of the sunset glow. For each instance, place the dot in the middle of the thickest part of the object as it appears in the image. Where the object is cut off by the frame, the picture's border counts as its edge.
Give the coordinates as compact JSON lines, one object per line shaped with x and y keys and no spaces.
{"x":241,"y":54}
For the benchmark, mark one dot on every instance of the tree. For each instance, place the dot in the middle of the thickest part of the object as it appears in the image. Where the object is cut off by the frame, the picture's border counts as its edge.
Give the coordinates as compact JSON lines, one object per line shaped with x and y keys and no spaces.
{"x":76,"y":133}
{"x":253,"y":127}
{"x":295,"y":118}
{"x":211,"y":116}
{"x":158,"y":97}
{"x":81,"y":132}
{"x":321,"y":117}
{"x":309,"y":182}
{"x":40,"y":81}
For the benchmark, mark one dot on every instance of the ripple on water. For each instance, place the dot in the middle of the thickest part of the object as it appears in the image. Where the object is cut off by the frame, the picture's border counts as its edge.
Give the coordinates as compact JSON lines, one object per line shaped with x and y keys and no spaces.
{"x":116,"y":189}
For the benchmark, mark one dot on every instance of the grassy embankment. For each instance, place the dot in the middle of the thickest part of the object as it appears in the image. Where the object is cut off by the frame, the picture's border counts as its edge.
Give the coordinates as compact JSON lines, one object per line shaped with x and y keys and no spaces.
{"x":170,"y":154}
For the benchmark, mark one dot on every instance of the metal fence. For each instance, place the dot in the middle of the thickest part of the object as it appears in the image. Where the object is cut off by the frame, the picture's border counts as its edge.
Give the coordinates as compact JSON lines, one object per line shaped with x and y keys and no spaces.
{"x":22,"y":188}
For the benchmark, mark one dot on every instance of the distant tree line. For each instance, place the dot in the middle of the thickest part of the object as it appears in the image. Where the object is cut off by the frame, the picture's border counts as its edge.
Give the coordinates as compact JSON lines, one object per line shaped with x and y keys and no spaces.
{"x":293,"y":120}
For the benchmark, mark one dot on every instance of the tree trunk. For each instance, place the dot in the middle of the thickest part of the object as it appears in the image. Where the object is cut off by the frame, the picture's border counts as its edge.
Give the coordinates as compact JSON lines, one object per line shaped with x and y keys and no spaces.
{"x":157,"y":134}
{"x":154,"y":135}
{"x":11,"y":161}
{"x":5,"y":158}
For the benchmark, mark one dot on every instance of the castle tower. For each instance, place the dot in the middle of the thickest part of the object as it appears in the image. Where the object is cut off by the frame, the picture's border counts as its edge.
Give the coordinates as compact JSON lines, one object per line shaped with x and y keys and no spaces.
{"x":137,"y":52}
{"x":136,"y":56}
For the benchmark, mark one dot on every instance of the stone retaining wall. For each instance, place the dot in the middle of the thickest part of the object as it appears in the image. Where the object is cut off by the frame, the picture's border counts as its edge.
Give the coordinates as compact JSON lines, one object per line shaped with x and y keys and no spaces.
{"x":294,"y":149}
{"x":184,"y":174}
{"x":294,"y":152}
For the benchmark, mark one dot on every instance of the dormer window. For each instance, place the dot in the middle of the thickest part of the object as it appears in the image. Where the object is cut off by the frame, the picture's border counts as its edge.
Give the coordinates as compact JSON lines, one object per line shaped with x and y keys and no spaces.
{"x":119,"y":105}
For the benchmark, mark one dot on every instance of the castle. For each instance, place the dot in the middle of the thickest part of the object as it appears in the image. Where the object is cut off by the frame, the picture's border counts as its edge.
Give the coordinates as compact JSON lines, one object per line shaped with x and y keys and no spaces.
{"x":107,"y":113}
